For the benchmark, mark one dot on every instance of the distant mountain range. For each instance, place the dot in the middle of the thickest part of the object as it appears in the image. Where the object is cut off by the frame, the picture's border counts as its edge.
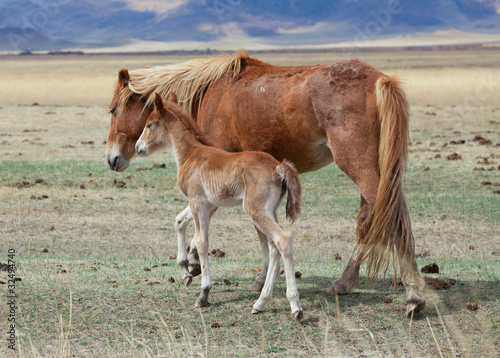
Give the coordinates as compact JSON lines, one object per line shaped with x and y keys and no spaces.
{"x":66,"y":24}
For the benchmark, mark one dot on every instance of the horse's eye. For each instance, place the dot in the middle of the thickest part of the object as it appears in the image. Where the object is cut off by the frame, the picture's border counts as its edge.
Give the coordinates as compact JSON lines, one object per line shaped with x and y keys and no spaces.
{"x":112,"y":110}
{"x":148,"y":126}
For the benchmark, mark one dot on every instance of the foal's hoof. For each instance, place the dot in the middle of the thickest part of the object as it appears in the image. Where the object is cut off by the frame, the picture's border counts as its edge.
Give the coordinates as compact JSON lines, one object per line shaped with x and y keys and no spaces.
{"x":194,"y":269}
{"x":256,"y":311}
{"x":298,"y":315}
{"x":187,"y":281}
{"x":413,"y":307}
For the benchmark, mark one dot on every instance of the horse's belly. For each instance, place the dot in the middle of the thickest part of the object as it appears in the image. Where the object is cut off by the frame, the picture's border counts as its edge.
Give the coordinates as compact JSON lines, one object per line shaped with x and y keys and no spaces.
{"x":310,"y":158}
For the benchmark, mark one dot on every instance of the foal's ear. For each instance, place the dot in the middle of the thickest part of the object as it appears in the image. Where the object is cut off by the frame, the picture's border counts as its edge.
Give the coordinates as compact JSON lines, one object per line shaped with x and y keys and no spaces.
{"x":158,"y":102}
{"x":173,"y":98}
{"x":123,"y":77}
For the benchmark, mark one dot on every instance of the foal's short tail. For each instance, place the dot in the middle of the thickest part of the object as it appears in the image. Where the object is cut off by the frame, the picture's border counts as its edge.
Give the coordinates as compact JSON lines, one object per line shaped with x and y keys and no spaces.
{"x":290,"y":177}
{"x":390,"y":234}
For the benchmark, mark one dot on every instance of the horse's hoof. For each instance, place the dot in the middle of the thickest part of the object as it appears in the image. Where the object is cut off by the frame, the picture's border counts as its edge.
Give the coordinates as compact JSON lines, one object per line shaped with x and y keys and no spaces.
{"x":337,"y":290}
{"x":194,"y":270}
{"x":298,"y":315}
{"x":331,"y":290}
{"x":340,"y":288}
{"x":256,"y":311}
{"x":187,"y":281}
{"x":256,"y":287}
{"x":413,"y":308}
{"x":200,"y":304}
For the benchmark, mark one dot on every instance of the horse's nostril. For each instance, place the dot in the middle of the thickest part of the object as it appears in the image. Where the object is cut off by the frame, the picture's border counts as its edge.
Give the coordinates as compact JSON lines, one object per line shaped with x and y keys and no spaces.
{"x":115,"y":162}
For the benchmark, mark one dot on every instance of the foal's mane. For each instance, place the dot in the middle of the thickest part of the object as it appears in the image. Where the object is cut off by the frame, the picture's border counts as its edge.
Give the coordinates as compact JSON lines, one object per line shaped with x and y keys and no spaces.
{"x":188,"y":123}
{"x":187,"y":80}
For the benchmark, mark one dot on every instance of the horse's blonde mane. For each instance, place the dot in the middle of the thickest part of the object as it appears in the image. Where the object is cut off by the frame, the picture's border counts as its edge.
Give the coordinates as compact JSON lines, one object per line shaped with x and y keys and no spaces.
{"x":188,"y":123}
{"x":187,"y":80}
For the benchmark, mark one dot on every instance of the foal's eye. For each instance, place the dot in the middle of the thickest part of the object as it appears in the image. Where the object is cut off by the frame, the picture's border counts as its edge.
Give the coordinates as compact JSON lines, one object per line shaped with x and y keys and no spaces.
{"x":112,"y":110}
{"x":148,"y":126}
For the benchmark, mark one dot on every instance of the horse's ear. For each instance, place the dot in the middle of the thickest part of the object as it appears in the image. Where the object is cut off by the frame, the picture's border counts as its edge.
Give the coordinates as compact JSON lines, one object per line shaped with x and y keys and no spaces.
{"x":173,"y":98}
{"x":123,"y":77}
{"x":158,"y":102}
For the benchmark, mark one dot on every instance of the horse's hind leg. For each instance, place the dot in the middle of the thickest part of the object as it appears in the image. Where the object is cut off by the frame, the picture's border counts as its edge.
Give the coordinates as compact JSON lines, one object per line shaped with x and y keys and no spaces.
{"x":350,"y":277}
{"x":413,"y":283}
{"x":356,"y":153}
{"x":261,"y":278}
{"x":359,"y":160}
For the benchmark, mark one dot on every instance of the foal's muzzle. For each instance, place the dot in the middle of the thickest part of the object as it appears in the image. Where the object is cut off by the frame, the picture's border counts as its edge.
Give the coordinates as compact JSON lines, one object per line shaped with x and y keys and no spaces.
{"x":141,"y":149}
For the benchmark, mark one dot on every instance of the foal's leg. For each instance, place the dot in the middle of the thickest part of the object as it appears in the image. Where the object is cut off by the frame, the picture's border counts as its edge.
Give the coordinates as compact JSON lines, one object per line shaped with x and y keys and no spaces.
{"x":181,"y":222}
{"x":193,"y":257}
{"x":189,"y":262}
{"x":271,"y":275}
{"x":261,"y":278}
{"x":283,"y":242}
{"x":201,"y":214}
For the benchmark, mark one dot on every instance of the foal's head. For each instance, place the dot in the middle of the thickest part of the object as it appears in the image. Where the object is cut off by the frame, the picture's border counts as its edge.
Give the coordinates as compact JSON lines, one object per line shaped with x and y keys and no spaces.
{"x":155,"y":133}
{"x":128,"y":115}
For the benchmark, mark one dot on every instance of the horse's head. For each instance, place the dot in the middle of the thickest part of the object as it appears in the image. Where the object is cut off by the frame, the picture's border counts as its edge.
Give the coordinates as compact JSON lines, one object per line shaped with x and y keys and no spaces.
{"x":128,"y":116}
{"x":155,"y":133}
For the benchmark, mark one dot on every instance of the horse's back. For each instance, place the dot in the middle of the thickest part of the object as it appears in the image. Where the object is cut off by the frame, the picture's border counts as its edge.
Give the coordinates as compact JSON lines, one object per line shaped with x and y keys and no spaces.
{"x":266,"y":108}
{"x":281,"y":110}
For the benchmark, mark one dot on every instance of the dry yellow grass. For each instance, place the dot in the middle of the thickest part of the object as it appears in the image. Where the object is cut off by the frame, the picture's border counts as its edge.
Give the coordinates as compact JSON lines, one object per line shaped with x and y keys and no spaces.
{"x":448,"y":77}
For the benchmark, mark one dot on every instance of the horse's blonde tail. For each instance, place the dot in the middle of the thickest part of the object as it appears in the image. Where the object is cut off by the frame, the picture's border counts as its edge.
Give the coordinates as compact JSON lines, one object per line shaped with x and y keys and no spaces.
{"x":287,"y":172}
{"x":390,"y":231}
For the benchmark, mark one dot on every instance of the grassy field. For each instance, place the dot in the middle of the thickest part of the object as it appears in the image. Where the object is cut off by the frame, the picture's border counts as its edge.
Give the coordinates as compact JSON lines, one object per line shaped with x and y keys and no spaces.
{"x":94,"y":257}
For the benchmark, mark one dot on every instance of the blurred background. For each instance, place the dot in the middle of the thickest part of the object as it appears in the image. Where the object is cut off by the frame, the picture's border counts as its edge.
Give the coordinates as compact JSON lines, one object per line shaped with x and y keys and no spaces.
{"x":156,"y":25}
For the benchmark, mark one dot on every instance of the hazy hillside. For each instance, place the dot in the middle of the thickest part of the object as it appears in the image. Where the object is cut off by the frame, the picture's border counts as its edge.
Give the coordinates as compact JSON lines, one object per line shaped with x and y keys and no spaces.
{"x":279,"y":22}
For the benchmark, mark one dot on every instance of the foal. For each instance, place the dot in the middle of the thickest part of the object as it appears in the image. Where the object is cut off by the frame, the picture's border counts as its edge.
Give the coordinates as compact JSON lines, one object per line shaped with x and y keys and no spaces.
{"x":211,"y":177}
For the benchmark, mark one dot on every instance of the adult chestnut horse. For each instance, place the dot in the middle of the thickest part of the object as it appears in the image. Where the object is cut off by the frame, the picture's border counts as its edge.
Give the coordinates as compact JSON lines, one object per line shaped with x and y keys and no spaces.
{"x":346,"y":111}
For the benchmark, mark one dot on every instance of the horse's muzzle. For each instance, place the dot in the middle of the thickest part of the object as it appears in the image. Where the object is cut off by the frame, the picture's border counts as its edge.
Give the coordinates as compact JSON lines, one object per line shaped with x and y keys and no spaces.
{"x":117,"y":163}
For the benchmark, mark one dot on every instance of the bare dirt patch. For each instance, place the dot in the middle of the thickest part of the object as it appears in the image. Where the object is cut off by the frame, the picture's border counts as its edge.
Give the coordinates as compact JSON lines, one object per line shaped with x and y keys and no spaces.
{"x":439,"y":284}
